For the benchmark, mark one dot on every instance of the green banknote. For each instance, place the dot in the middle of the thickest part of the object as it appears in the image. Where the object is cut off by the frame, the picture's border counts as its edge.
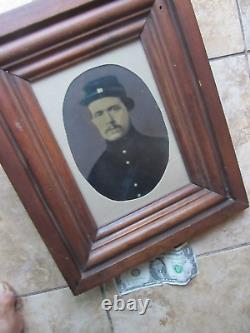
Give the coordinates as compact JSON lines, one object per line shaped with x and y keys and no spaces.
{"x":176,"y":267}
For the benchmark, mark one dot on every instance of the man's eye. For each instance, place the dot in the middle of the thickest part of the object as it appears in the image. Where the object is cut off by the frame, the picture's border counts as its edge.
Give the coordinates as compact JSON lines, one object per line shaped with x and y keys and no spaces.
{"x":115,"y":108}
{"x":98,"y":114}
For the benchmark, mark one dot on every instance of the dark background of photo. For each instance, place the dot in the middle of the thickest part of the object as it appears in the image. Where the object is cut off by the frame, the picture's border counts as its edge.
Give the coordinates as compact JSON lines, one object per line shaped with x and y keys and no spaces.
{"x":84,"y":140}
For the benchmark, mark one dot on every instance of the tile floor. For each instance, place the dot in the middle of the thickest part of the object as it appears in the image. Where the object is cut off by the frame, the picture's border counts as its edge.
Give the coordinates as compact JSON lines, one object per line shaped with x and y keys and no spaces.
{"x":218,"y":299}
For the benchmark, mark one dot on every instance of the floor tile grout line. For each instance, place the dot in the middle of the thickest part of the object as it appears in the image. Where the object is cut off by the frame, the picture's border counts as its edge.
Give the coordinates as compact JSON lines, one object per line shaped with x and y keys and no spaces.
{"x":226,"y":56}
{"x":104,"y":296}
{"x":103,"y":293}
{"x":243,"y":35}
{"x":102,"y":288}
{"x":223,"y":250}
{"x":35,"y":293}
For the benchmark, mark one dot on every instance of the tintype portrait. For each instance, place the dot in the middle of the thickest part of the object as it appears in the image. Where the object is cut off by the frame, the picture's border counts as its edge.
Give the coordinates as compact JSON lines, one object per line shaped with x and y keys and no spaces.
{"x":116,"y":132}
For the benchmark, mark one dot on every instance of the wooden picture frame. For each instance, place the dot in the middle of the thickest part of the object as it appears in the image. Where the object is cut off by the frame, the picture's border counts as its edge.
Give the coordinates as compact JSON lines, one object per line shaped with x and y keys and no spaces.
{"x":45,"y":37}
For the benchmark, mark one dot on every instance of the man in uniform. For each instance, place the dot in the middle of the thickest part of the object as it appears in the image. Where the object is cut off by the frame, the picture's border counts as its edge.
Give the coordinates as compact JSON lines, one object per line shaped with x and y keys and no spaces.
{"x":133,"y":163}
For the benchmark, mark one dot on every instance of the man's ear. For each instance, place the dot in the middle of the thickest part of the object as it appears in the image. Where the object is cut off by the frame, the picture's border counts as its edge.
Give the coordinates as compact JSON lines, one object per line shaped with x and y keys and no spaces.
{"x":91,"y":117}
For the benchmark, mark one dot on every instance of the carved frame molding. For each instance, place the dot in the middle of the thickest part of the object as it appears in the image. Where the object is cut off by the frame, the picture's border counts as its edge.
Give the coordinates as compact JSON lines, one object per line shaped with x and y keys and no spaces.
{"x":48,"y":38}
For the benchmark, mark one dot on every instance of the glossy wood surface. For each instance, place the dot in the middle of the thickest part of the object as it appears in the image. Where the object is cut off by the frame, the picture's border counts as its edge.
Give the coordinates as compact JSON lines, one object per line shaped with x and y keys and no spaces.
{"x":59,"y":37}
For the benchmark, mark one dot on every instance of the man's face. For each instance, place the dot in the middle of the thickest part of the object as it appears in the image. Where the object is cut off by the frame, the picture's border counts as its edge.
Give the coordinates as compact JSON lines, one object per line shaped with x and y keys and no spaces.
{"x":111,"y":117}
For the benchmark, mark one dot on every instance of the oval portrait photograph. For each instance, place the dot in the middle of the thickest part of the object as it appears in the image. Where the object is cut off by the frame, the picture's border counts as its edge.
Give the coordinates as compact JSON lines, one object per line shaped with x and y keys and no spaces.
{"x":116,"y":132}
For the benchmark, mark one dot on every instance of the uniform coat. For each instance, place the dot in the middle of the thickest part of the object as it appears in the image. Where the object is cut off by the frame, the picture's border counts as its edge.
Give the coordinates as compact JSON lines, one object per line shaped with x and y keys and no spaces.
{"x":130,"y":167}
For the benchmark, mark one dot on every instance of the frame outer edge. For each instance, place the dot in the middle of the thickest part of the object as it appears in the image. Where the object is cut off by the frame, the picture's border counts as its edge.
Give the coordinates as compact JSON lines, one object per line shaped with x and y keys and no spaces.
{"x":180,"y":92}
{"x":37,"y":164}
{"x":17,"y":169}
{"x":165,"y":238}
{"x":190,"y":30}
{"x":158,"y":244}
{"x":55,"y":37}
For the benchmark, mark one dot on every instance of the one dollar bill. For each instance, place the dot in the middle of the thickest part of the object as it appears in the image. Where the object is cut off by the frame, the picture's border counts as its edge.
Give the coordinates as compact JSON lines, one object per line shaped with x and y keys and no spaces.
{"x":176,"y":267}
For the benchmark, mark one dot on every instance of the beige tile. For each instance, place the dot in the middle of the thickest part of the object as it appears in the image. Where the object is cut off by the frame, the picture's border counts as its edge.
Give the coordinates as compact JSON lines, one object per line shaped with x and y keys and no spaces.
{"x":245,"y":14}
{"x":231,"y":233}
{"x":220,"y":26}
{"x":60,"y":312}
{"x":217,"y":300}
{"x":24,"y":259}
{"x":232,"y":80}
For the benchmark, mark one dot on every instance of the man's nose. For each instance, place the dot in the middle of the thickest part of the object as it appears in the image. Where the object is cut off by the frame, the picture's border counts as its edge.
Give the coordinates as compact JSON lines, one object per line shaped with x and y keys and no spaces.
{"x":108,"y":116}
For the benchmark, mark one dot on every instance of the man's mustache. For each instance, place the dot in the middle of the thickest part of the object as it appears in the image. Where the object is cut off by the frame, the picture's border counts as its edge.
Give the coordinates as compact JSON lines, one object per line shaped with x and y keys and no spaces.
{"x":110,"y":128}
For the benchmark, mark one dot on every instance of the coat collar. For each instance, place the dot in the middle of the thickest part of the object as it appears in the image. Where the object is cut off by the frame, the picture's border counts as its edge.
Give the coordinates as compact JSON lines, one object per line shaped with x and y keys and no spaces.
{"x":125,"y":143}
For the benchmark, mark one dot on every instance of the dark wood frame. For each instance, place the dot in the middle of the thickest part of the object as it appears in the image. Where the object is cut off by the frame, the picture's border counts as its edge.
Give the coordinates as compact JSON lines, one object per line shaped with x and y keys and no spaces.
{"x":50,"y":36}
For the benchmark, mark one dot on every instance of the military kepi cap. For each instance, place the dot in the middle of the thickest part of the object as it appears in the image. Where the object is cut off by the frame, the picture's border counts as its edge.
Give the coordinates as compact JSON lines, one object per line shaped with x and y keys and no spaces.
{"x":107,"y":86}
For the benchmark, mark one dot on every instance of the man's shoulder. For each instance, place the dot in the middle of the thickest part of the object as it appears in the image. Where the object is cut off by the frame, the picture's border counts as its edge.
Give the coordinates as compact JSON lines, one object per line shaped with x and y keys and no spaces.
{"x":104,"y":156}
{"x":154,"y":140}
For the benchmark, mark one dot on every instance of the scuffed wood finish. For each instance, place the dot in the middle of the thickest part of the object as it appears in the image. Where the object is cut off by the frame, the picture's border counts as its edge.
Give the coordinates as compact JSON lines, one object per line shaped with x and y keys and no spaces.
{"x":61,"y":36}
{"x":169,"y":57}
{"x":62,"y":57}
{"x":147,"y":211}
{"x":158,"y":244}
{"x":215,"y":117}
{"x":24,"y":18}
{"x":148,"y":227}
{"x":77,"y":37}
{"x":50,"y":174}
